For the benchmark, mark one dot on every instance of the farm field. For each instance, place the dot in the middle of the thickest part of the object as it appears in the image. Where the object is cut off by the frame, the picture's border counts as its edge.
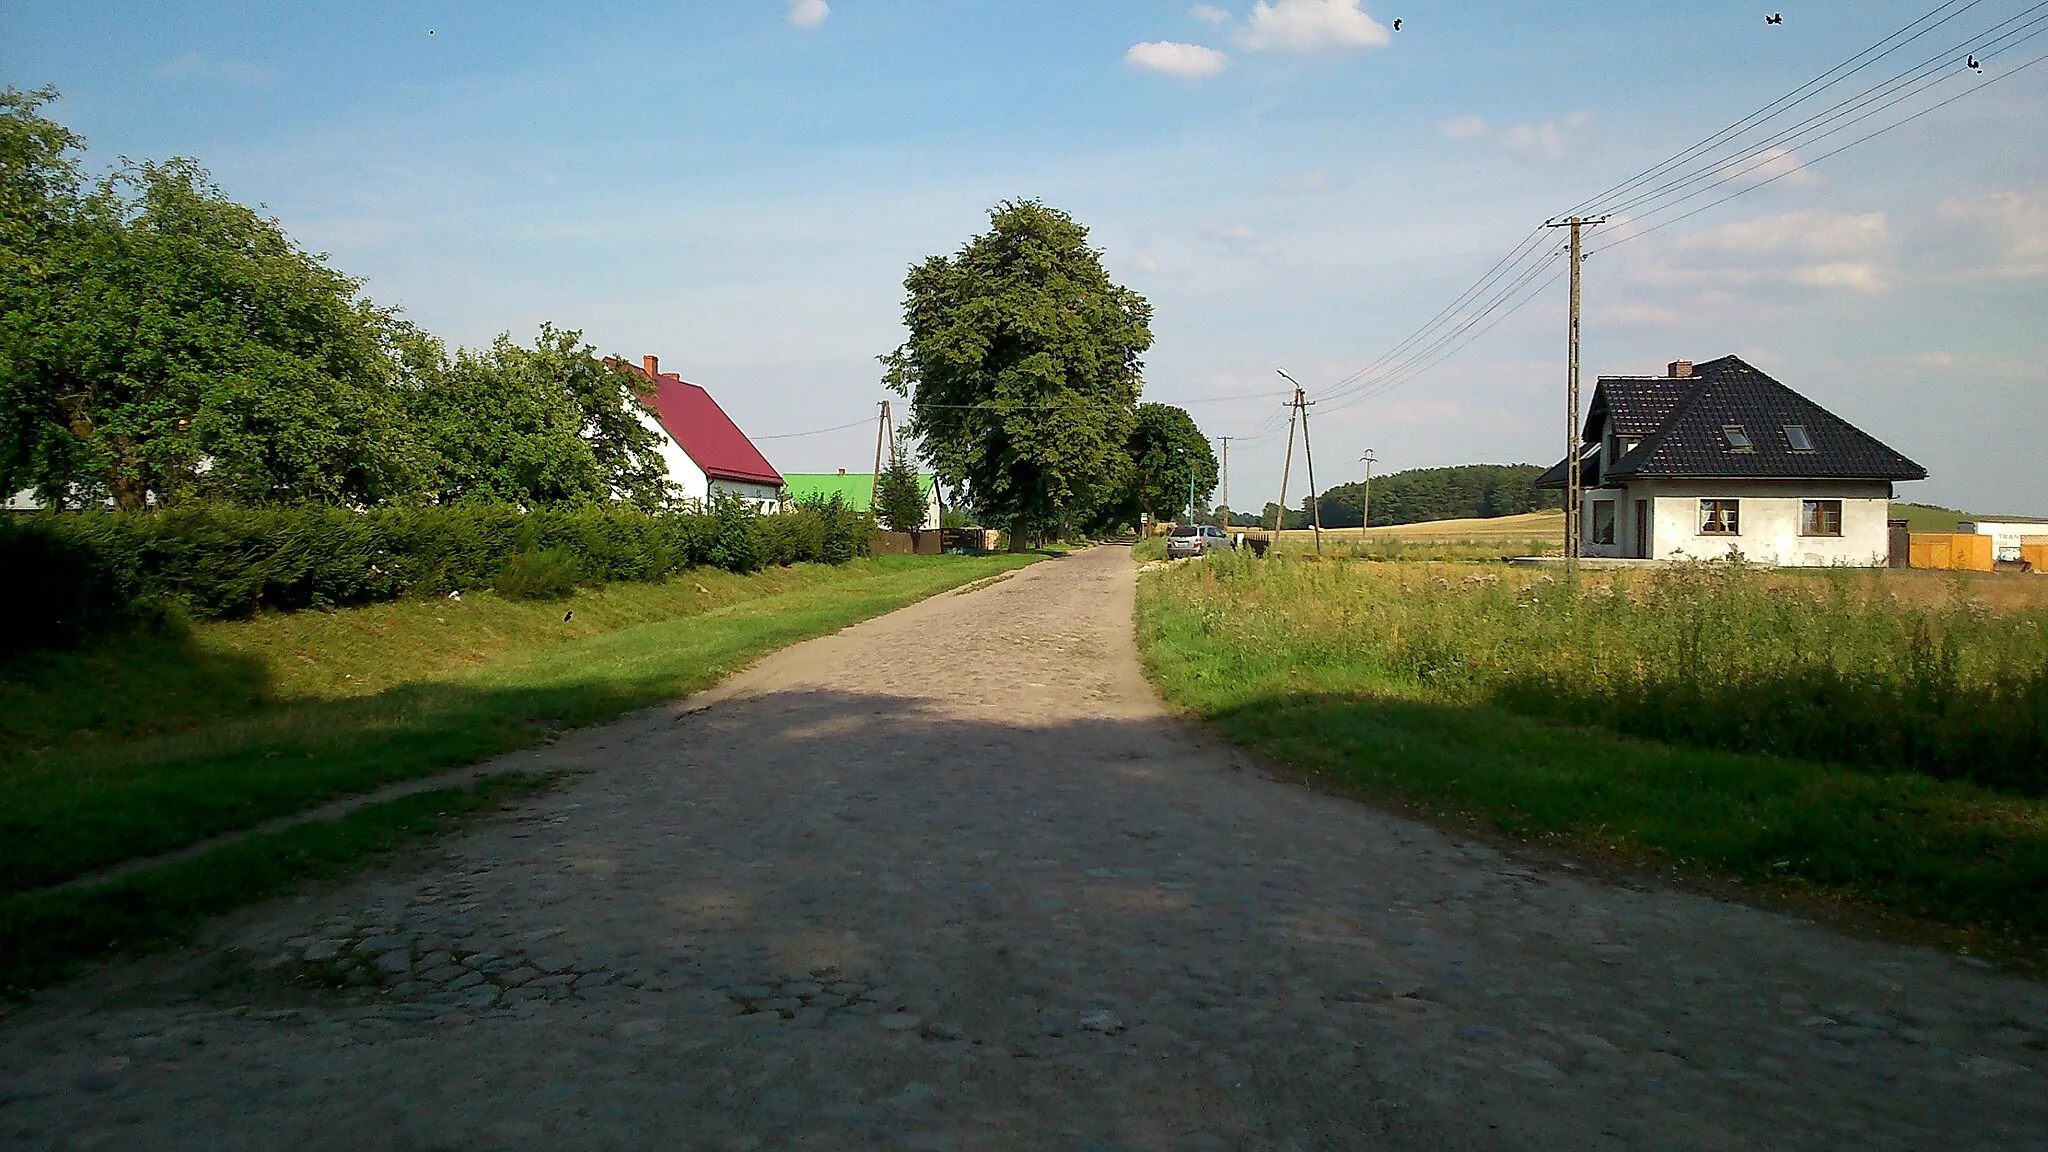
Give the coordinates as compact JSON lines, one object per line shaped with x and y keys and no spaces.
{"x":235,"y":724}
{"x":1849,"y":735}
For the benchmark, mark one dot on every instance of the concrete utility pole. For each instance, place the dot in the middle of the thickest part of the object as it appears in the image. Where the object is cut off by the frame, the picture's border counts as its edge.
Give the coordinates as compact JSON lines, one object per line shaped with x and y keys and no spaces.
{"x":1225,"y":441}
{"x":1369,"y":458}
{"x":1574,"y":487}
{"x":1300,"y":404}
{"x":882,"y":430}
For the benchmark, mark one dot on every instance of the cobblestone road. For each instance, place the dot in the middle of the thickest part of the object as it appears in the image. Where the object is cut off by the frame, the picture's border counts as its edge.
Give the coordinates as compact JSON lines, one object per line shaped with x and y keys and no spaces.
{"x":952,"y":880}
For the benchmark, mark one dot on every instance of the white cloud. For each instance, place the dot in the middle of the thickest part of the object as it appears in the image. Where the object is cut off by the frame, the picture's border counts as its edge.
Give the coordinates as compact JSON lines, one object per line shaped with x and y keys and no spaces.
{"x":1933,"y":358}
{"x":808,"y":13}
{"x":1776,"y":165}
{"x":197,"y":66}
{"x":1238,"y":232}
{"x":1310,"y":26}
{"x":1172,"y":58}
{"x":1855,"y":275}
{"x":1462,"y":128}
{"x":2004,"y":233}
{"x":1551,"y":142}
{"x":1814,"y":248}
{"x":1145,"y":262}
{"x":1209,"y":14}
{"x":1812,"y":234}
{"x":1303,"y":182}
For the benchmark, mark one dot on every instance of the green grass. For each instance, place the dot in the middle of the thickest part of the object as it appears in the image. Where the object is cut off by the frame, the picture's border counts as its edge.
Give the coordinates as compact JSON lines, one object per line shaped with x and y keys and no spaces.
{"x":46,"y":935}
{"x":126,"y":753}
{"x":1270,"y":656}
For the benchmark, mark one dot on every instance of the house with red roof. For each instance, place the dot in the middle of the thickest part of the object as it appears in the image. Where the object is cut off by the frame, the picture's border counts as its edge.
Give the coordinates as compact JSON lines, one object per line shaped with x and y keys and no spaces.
{"x":706,"y":453}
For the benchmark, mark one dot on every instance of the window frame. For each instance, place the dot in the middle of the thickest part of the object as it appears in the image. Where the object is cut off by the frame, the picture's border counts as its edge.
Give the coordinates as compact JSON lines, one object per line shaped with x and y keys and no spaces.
{"x":1613,"y":518}
{"x":1710,"y":512}
{"x":1793,"y":442}
{"x":1737,"y":438}
{"x":1809,"y":518}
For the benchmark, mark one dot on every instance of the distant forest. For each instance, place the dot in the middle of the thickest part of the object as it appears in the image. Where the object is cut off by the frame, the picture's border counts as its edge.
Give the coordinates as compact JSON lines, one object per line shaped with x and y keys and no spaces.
{"x":1455,"y":493}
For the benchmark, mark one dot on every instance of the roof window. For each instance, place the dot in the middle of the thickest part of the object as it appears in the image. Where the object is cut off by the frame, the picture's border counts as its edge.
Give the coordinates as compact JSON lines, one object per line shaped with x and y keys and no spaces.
{"x":1795,"y":435}
{"x":1738,"y":440}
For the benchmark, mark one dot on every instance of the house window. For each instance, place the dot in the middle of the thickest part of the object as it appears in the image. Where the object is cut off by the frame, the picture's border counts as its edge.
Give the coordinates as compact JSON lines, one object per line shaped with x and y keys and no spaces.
{"x":1603,"y":521}
{"x":1720,"y":518}
{"x":1820,"y":517}
{"x":1797,"y":439}
{"x":1737,"y":437}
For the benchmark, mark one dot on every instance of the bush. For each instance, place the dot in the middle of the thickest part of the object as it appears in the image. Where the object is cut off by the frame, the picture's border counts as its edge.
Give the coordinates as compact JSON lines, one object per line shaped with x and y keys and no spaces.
{"x":86,"y":571}
{"x":540,"y":574}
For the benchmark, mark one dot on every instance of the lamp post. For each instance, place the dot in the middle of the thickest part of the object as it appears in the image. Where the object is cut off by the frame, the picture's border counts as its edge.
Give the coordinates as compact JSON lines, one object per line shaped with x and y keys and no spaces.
{"x":1369,"y":458}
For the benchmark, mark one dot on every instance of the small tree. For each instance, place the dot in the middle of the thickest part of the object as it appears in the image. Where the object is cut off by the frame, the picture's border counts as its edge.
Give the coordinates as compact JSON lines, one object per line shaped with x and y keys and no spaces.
{"x":899,"y":502}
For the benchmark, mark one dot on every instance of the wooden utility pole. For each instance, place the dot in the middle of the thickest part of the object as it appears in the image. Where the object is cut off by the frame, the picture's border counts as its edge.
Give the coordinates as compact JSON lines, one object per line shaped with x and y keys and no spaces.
{"x":1225,"y":441}
{"x":1308,"y":454}
{"x":882,"y":430}
{"x":1280,"y":517}
{"x":1574,"y":488}
{"x":1365,"y":520}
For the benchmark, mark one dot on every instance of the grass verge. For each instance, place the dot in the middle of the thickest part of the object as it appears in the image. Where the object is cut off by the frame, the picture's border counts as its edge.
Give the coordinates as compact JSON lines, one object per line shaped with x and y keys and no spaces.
{"x":1940,"y":853}
{"x":90,"y":801}
{"x":46,"y":935}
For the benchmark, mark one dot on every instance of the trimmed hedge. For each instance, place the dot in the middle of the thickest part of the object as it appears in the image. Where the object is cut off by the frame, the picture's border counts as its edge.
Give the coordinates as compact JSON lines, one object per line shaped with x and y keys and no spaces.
{"x":69,"y":575}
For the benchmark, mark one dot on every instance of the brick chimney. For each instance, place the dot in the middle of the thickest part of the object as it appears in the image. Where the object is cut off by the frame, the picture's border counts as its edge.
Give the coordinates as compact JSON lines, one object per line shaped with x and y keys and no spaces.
{"x":652,"y":364}
{"x":842,"y":471}
{"x":1678,"y":368}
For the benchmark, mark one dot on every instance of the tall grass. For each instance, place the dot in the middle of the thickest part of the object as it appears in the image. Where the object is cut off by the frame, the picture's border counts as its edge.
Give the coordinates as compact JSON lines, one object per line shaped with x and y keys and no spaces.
{"x":1829,"y":667}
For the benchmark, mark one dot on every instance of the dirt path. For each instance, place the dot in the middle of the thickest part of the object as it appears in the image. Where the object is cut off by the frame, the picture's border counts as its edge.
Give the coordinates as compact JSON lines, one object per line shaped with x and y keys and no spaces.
{"x":951,"y":880}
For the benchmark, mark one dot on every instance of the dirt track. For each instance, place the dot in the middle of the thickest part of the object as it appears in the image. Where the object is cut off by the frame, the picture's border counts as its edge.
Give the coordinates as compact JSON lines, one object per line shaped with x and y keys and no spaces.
{"x":951,"y":879}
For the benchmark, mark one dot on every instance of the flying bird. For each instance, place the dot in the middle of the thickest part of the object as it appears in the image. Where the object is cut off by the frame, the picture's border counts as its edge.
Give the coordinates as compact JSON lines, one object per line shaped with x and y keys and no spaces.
{"x":1974,"y":66}
{"x":566,"y":615}
{"x":1397,"y":24}
{"x":1775,"y":18}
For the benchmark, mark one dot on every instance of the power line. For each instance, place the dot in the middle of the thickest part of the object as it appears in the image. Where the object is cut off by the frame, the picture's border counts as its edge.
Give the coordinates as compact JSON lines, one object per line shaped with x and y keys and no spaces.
{"x":815,"y":432}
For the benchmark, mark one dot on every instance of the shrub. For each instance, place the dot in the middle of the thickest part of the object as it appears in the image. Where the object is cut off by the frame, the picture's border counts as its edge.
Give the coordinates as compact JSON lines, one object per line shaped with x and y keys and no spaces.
{"x":87,"y":571}
{"x":540,"y":574}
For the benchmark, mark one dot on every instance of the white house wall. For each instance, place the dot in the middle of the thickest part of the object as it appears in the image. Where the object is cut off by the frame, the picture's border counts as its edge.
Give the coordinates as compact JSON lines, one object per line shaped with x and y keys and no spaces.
{"x":1768,"y":514}
{"x":690,"y":481}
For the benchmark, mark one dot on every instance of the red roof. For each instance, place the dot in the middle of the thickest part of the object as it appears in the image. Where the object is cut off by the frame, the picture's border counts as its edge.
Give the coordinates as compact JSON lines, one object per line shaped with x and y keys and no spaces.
{"x":689,"y":414}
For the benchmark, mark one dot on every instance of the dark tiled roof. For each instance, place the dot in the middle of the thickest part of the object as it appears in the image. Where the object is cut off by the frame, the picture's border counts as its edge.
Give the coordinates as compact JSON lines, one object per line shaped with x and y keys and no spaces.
{"x":1729,"y":392}
{"x":1682,"y":421}
{"x":1589,"y":462}
{"x":1639,"y":404}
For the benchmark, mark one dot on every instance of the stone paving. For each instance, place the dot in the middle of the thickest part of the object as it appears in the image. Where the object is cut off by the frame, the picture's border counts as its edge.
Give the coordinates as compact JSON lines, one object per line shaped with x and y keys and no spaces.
{"x":952,"y":880}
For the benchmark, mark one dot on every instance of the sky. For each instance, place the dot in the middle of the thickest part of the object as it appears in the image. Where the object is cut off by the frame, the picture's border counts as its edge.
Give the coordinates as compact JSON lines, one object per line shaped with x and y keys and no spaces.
{"x":740,"y":187}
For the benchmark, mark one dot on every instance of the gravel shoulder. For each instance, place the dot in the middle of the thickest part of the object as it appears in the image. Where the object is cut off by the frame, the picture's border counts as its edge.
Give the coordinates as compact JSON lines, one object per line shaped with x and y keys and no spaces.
{"x":953,"y":879}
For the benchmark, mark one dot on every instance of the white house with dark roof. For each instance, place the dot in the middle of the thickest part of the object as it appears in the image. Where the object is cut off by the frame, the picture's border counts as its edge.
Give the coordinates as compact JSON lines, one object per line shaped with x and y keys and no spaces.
{"x":1718,"y":458}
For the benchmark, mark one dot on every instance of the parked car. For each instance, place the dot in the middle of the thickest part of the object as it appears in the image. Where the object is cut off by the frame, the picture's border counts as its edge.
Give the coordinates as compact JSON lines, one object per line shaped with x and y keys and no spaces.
{"x":1195,"y":540}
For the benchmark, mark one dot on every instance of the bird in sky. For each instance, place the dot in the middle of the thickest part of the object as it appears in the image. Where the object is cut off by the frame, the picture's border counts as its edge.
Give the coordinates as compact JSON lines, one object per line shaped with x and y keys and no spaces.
{"x":1775,"y":18}
{"x":1397,"y":24}
{"x":1974,"y":66}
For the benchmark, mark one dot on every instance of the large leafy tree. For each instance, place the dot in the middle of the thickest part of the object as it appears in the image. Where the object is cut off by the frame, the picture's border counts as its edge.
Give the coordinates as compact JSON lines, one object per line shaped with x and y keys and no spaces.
{"x":550,"y":424}
{"x":163,"y":341}
{"x":1168,"y":454}
{"x":1023,"y":369}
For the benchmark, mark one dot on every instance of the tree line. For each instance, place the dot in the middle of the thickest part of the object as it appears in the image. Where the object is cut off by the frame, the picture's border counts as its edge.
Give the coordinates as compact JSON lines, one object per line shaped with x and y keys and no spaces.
{"x":1458,"y":492}
{"x":161,"y":343}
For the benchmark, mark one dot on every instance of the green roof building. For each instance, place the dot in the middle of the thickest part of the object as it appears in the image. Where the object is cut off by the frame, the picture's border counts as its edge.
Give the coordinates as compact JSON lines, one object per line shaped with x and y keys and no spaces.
{"x":856,"y":489}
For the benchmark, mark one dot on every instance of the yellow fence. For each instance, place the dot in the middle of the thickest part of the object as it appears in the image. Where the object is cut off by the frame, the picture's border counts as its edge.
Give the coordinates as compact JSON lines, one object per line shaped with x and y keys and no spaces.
{"x":1952,"y":550}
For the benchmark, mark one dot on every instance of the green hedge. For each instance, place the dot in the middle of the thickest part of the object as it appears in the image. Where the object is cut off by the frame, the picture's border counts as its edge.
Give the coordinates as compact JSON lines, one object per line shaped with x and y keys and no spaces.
{"x":69,"y":575}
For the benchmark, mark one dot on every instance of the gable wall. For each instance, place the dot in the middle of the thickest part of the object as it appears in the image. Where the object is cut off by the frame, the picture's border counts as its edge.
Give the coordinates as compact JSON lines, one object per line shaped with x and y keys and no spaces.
{"x":683,"y":472}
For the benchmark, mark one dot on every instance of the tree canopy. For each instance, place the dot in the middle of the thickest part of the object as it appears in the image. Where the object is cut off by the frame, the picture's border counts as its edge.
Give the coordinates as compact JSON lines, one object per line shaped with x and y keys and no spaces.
{"x":160,"y":342}
{"x":1023,"y":369}
{"x":1167,"y":451}
{"x":1453,"y":493}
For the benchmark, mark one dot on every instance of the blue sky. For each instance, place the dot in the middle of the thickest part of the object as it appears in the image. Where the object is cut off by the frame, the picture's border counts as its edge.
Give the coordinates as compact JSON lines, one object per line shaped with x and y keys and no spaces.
{"x":740,"y":187}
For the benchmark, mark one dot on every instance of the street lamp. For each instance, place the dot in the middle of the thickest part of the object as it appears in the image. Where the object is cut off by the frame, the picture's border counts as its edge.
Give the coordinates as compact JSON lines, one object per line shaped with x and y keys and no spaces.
{"x":1369,"y":458}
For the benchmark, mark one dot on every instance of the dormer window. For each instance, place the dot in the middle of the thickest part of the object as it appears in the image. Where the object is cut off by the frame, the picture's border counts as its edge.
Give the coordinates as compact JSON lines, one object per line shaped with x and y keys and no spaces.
{"x":1738,"y":440}
{"x":1796,"y":437}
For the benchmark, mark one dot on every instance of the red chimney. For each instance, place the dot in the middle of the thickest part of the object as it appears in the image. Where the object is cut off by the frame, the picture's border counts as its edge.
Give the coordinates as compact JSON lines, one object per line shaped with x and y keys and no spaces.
{"x":652,"y":364}
{"x":1678,"y":368}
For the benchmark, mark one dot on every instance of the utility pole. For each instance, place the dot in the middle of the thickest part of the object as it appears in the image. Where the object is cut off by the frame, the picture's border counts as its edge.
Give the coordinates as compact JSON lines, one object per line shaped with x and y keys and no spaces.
{"x":1366,"y":522}
{"x":1280,"y":517}
{"x":1574,"y":490}
{"x":882,"y":430}
{"x":1308,"y":454}
{"x":1225,"y":441}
